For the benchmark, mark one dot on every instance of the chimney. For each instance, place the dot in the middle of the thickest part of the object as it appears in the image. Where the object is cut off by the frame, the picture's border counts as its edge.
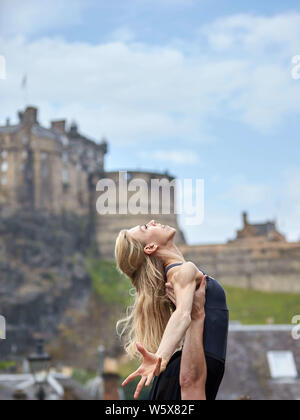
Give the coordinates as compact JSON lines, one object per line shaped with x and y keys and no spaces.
{"x":245,"y":219}
{"x":59,"y":125}
{"x":7,"y":122}
{"x":29,"y":116}
{"x":74,"y":129}
{"x":111,"y":379}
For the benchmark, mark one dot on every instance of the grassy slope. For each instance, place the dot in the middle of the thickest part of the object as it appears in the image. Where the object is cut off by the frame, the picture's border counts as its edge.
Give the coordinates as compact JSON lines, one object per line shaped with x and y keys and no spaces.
{"x":254,"y":307}
{"x":108,"y":283}
{"x":246,"y":306}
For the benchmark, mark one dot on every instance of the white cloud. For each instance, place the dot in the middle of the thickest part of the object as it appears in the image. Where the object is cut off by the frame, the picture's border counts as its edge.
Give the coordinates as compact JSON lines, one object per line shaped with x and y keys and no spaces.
{"x":255,"y":34}
{"x":122,"y":34}
{"x":133,"y":92}
{"x":31,"y":16}
{"x":164,"y":3}
{"x":173,"y":157}
{"x":129,"y":92}
{"x":247,"y":195}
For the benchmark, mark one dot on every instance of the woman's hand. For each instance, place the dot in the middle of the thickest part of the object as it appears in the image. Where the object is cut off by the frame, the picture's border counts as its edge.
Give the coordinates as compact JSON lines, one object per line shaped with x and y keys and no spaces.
{"x":198,"y":302}
{"x":150,"y":367}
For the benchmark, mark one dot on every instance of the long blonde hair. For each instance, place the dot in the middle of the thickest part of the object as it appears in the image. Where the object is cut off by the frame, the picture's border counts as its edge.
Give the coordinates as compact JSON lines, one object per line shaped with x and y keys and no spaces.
{"x":146,"y":320}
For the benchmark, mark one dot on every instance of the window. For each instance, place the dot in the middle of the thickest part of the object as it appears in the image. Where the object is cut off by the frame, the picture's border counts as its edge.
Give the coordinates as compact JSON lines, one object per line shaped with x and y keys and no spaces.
{"x":25,"y":154}
{"x":25,"y":139}
{"x":100,"y":160}
{"x":282,"y":364}
{"x":44,"y":164}
{"x":3,"y":180}
{"x":44,"y":170}
{"x":4,"y":154}
{"x":4,"y":166}
{"x":65,"y":140}
{"x":65,"y":176}
{"x":65,"y":157}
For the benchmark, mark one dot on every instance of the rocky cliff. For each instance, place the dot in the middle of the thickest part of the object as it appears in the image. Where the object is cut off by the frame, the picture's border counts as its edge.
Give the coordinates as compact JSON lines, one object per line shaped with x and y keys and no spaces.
{"x":46,"y":289}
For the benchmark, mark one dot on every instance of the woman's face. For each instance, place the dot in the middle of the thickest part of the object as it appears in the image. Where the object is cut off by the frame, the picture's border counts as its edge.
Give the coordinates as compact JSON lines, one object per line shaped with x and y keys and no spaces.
{"x":153,"y":233}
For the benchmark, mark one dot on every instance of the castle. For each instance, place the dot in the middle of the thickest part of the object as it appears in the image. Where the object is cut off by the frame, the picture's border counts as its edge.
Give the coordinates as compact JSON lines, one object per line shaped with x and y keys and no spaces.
{"x":57,"y":169}
{"x":47,"y":168}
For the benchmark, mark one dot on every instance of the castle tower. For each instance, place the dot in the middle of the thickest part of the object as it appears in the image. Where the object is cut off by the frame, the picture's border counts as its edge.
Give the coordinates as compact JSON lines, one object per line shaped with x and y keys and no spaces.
{"x":259,"y":231}
{"x":46,"y":169}
{"x":109,"y":225}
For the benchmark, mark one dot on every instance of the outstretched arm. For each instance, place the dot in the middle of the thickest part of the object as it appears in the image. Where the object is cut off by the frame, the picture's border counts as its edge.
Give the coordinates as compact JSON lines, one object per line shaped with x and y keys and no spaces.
{"x":184,"y":285}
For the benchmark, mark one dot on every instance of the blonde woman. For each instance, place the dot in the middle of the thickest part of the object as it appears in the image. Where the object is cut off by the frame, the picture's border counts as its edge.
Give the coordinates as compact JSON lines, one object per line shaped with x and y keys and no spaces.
{"x":149,"y":257}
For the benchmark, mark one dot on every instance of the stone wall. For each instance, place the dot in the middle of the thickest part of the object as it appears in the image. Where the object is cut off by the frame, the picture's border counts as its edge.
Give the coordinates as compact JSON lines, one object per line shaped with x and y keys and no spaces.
{"x":109,"y":225}
{"x":250,"y":264}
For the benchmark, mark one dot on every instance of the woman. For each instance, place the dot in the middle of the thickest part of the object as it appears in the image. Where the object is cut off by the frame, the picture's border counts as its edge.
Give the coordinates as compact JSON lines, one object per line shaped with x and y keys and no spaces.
{"x":148,"y":256}
{"x":185,"y":377}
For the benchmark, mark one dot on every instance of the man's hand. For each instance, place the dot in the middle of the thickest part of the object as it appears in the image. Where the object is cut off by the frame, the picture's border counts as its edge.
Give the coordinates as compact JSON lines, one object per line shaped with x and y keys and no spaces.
{"x":151,"y":366}
{"x":198,"y":302}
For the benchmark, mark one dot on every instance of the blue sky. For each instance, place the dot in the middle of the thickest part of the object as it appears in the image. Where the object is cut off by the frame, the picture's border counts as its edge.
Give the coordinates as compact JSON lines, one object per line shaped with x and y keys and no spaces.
{"x":201,"y":88}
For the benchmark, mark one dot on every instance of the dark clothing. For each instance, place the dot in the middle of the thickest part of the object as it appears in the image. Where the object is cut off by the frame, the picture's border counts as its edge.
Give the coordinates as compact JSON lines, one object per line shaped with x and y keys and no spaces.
{"x":166,"y":386}
{"x":216,"y":318}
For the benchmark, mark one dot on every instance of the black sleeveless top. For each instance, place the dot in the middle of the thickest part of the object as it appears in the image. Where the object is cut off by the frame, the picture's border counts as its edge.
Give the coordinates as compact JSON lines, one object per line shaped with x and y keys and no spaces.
{"x":216,"y":318}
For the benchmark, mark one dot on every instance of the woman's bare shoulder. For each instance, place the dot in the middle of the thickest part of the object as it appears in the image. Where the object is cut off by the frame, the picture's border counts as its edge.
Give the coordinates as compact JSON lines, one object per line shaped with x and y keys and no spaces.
{"x":188,"y":271}
{"x":189,"y":265}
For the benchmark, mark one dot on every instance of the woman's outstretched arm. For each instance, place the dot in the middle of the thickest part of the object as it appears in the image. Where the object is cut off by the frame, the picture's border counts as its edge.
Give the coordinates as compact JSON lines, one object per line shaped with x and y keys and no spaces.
{"x":184,"y":285}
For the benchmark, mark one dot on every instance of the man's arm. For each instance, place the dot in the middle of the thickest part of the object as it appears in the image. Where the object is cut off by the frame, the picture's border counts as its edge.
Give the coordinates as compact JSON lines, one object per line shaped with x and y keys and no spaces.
{"x":193,"y":371}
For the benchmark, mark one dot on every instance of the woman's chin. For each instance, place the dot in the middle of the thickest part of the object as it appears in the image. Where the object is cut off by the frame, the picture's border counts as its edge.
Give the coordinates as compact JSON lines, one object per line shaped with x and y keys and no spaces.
{"x":172,"y":229}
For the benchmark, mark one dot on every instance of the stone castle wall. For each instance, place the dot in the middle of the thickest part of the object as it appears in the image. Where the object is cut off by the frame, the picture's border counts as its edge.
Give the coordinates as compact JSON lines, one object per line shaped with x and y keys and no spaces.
{"x":109,"y":225}
{"x":250,"y":264}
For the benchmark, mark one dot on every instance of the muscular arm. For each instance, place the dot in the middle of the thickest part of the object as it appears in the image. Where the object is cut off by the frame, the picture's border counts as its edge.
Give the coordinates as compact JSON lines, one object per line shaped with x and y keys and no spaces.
{"x":193,"y":370}
{"x":184,"y":285}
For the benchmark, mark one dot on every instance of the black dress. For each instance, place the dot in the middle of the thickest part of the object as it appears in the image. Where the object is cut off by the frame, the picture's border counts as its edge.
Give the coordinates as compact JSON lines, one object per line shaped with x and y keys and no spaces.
{"x":166,"y":386}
